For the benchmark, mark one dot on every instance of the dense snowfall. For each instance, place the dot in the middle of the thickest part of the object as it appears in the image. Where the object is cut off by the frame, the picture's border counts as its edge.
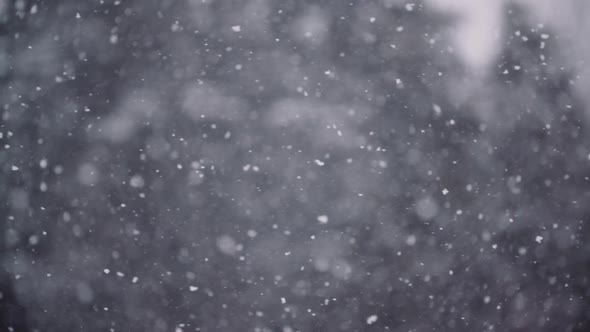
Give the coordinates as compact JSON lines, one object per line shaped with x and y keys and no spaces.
{"x":292,"y":165}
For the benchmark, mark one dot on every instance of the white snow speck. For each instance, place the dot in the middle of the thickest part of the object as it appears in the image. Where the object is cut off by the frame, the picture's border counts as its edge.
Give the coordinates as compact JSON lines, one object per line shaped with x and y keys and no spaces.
{"x":78,"y":16}
{"x":539,"y":239}
{"x":136,"y":181}
{"x":134,"y":280}
{"x":14,"y":168}
{"x":193,"y":288}
{"x":411,"y":240}
{"x":323,"y":219}
{"x":283,"y":301}
{"x":372,"y":19}
{"x":319,"y":162}
{"x":107,"y":271}
{"x":227,"y":245}
{"x":236,"y":28}
{"x":445,"y":191}
{"x":437,"y":109}
{"x":372,"y":319}
{"x":33,"y":240}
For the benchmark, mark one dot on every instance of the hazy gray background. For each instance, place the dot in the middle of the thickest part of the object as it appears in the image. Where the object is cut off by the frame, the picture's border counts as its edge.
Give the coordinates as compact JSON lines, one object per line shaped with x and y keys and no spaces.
{"x":258,"y":165}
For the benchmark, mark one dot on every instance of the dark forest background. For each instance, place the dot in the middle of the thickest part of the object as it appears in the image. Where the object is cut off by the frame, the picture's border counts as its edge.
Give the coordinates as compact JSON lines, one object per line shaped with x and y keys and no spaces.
{"x":264,"y":165}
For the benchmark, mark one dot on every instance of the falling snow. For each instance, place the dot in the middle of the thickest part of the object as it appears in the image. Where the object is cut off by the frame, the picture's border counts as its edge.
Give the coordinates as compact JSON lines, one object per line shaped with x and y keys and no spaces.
{"x":294,"y":165}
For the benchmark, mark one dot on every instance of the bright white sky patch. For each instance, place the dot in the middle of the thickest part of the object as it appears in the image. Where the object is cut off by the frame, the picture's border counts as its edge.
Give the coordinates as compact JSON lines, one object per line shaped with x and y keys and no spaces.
{"x":477,"y":31}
